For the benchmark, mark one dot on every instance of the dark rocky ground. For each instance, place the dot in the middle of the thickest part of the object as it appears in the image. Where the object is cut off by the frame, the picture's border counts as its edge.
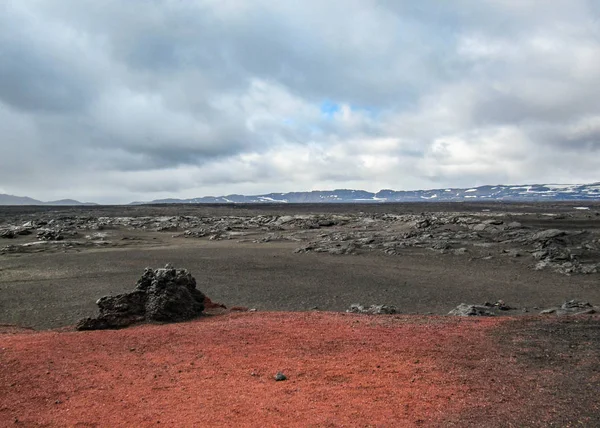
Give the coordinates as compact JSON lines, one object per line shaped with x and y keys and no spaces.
{"x":421,"y":258}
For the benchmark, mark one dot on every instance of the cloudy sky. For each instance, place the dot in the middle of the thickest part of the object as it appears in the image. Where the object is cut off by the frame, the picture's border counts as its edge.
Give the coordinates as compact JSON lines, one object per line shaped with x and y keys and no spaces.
{"x":114,"y":101}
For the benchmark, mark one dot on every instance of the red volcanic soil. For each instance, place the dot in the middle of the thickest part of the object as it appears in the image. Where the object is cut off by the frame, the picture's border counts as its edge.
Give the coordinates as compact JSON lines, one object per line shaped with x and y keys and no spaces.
{"x":342,"y":369}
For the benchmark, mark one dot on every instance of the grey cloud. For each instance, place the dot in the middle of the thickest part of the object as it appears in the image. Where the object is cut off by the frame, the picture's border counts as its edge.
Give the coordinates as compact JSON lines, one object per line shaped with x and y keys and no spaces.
{"x":303,"y":49}
{"x":44,"y":67}
{"x":201,"y":96}
{"x":30,"y":82}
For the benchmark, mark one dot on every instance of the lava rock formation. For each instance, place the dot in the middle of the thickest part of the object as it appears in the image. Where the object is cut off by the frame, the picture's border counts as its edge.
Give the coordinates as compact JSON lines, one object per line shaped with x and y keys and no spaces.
{"x":163,"y":295}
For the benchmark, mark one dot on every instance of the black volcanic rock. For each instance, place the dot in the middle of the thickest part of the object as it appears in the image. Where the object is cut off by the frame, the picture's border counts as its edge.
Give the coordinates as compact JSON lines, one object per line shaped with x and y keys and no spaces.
{"x":464,"y":310}
{"x":164,"y":295}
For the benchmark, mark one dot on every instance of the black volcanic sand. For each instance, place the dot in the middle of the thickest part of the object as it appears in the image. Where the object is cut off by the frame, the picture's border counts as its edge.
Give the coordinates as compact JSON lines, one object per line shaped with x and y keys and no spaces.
{"x":565,"y":207}
{"x":53,"y":289}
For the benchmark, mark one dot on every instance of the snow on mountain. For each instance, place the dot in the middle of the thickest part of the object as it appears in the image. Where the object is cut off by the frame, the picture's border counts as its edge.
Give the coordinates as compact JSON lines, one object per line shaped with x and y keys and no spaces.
{"x":533,"y":192}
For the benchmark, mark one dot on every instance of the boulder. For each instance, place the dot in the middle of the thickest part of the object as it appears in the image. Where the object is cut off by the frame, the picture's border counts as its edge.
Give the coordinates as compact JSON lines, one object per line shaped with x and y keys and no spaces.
{"x":50,"y":235}
{"x":7,"y":234}
{"x":548,"y":234}
{"x":493,"y":222}
{"x":163,"y":295}
{"x":575,"y":305}
{"x":572,"y":307}
{"x":464,"y":310}
{"x":373,"y":309}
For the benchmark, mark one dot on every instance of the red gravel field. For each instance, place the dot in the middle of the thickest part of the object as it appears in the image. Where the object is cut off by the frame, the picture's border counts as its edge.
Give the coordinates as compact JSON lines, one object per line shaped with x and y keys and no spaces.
{"x":341,"y":369}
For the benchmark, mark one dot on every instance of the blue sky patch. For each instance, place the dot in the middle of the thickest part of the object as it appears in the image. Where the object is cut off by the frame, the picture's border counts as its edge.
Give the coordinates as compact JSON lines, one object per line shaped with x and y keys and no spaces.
{"x":329,"y":108}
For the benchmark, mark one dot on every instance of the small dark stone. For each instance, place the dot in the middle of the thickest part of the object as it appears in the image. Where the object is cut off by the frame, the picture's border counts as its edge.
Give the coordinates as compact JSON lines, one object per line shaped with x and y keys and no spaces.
{"x":280,"y":376}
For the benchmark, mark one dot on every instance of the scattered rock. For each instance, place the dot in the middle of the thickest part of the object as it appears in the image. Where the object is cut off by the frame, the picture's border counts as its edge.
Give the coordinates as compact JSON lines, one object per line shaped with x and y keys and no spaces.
{"x":280,"y":377}
{"x":373,"y":309}
{"x":7,"y":234}
{"x":500,"y":305}
{"x":575,"y":305}
{"x":441,"y":245}
{"x":547,"y":234}
{"x":50,"y":235}
{"x":14,"y":232}
{"x":422,"y":224}
{"x":567,"y":252}
{"x":331,"y":247}
{"x":512,"y":252}
{"x":494,"y":222}
{"x":572,"y":307}
{"x":98,"y":236}
{"x":464,"y":310}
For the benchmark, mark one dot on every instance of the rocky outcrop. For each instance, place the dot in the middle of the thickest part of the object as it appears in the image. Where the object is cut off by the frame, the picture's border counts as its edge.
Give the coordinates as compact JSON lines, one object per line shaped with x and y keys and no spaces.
{"x":373,"y":309}
{"x":485,"y":310}
{"x":163,"y":295}
{"x":464,"y":310}
{"x":572,"y":307}
{"x":50,"y":235}
{"x":14,"y":232}
{"x":476,"y":235}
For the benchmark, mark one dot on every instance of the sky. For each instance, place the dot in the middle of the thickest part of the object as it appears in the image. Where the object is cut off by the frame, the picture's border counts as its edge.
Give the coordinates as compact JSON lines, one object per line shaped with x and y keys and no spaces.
{"x":114,"y":101}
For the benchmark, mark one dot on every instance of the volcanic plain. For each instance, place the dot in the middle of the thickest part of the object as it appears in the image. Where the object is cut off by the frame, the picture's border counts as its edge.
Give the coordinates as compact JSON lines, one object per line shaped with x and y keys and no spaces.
{"x":296,"y":270}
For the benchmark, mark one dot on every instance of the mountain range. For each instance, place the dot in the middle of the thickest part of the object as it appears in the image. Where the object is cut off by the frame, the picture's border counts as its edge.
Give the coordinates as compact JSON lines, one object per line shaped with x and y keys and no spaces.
{"x":533,"y":192}
{"x":24,"y":200}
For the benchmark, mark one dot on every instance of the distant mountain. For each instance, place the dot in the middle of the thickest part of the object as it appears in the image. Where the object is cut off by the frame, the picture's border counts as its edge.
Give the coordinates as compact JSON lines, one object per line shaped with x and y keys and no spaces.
{"x":529,"y":192}
{"x":68,"y":202}
{"x":24,"y":200}
{"x":533,"y":192}
{"x":18,"y":200}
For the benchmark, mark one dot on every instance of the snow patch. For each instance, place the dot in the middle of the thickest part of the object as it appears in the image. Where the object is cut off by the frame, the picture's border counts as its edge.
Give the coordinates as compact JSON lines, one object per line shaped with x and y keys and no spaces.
{"x":268,"y":199}
{"x":561,"y":186}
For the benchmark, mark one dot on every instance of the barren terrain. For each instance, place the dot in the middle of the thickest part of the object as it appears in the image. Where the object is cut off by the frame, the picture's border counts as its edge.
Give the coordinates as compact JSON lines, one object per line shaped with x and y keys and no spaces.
{"x":514,"y":260}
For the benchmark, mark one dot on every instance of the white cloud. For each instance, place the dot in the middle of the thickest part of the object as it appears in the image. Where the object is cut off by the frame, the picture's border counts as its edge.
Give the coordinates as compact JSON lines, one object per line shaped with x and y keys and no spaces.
{"x":115,"y":102}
